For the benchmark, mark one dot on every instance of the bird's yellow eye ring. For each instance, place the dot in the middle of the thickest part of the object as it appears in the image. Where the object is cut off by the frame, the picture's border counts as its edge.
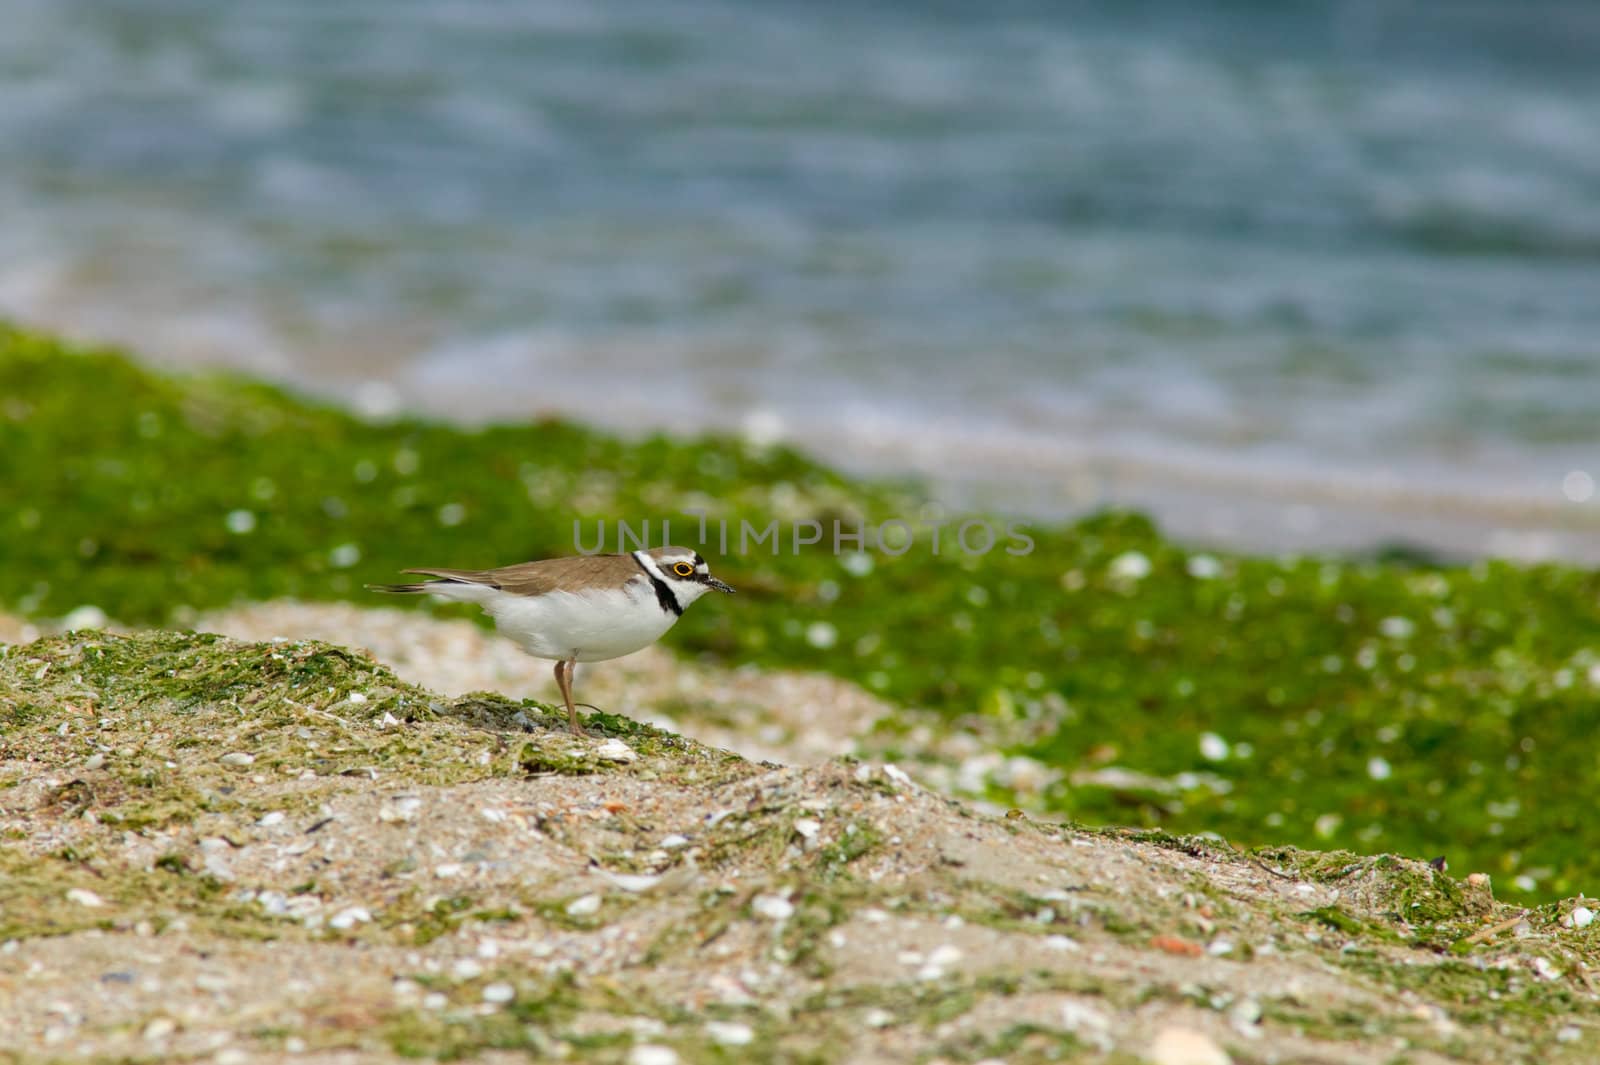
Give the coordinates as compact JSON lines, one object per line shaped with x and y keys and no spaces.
{"x":683,"y":569}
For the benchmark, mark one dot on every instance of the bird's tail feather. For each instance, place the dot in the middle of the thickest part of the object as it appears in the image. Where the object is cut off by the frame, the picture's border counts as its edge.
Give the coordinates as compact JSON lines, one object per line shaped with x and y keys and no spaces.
{"x":456,"y":589}
{"x":400,"y":589}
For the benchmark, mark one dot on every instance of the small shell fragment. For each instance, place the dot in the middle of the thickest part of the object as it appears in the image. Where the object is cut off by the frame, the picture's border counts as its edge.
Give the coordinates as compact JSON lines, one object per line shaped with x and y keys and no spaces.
{"x":400,"y":808}
{"x":730,"y":1033}
{"x":349,"y":917}
{"x":772,"y":907}
{"x":584,"y":906}
{"x":614,"y":750}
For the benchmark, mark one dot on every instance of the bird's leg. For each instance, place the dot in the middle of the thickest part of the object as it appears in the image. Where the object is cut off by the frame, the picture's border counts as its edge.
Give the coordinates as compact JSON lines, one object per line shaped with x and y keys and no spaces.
{"x":564,"y":671}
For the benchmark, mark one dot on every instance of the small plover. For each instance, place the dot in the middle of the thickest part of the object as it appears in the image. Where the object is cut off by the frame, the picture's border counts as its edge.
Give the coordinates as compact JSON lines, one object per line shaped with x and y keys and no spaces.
{"x":583,"y":609}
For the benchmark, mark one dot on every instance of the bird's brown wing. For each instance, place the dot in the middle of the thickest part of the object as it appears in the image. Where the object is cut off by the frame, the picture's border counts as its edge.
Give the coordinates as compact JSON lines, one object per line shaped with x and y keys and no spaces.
{"x":546,"y":575}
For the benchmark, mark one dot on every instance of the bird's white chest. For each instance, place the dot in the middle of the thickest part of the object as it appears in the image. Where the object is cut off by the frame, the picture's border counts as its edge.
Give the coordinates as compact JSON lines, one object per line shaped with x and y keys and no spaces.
{"x":590,"y":626}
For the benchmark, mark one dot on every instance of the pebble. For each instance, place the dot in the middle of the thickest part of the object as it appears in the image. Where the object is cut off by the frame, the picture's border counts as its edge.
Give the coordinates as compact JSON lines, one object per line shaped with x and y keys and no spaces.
{"x":349,"y":917}
{"x":614,"y":750}
{"x":95,"y":761}
{"x":878,"y":1018}
{"x":84,"y":897}
{"x":808,"y":827}
{"x":1130,"y":566}
{"x":276,"y":817}
{"x":1397,"y":628}
{"x":238,"y":758}
{"x":499,"y":993}
{"x":400,"y":808}
{"x":1245,"y":1015}
{"x":772,"y":907}
{"x":651,"y":1054}
{"x":674,"y":841}
{"x":85,"y":617}
{"x":1060,"y":942}
{"x":212,"y":982}
{"x":938,"y":961}
{"x":1582,"y":917}
{"x":1089,"y":1023}
{"x":303,"y":906}
{"x":448,"y":871}
{"x":466,"y":969}
{"x":634,"y":882}
{"x":857,"y":564}
{"x":1185,"y":1046}
{"x":160,"y":1028}
{"x":730,"y":1033}
{"x":584,"y":906}
{"x":273,"y":903}
{"x":821,"y":635}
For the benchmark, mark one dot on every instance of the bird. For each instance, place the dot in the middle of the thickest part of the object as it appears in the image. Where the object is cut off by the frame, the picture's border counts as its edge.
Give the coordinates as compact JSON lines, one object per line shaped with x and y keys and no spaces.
{"x":584,"y":608}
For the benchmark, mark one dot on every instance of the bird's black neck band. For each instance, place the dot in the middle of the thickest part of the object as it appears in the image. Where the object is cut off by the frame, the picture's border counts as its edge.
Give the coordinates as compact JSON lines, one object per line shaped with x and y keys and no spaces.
{"x":664,"y":596}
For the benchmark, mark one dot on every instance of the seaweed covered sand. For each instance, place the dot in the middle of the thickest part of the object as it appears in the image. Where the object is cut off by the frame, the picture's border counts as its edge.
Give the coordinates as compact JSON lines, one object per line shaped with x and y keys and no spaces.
{"x":1385,"y":706}
{"x":237,"y":851}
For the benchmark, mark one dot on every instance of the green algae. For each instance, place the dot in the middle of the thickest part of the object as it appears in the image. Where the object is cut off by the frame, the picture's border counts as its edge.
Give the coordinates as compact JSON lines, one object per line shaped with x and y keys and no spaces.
{"x":1020,"y":1043}
{"x":1389,"y":705}
{"x":63,"y":894}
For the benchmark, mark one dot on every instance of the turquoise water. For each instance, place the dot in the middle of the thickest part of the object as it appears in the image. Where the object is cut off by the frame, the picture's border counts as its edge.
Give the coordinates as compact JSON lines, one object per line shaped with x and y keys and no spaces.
{"x":1285,"y":273}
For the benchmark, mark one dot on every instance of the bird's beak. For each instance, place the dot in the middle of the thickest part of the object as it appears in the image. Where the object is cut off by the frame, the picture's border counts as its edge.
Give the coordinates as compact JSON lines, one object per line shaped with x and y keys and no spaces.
{"x":718,"y":585}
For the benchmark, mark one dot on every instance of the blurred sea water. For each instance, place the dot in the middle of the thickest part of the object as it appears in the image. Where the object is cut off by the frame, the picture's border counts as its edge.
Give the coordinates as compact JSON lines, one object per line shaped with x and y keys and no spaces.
{"x":1315,"y":274}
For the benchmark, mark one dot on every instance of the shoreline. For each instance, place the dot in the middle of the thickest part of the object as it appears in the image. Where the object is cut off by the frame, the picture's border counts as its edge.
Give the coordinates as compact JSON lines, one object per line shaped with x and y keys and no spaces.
{"x":1222,"y":501}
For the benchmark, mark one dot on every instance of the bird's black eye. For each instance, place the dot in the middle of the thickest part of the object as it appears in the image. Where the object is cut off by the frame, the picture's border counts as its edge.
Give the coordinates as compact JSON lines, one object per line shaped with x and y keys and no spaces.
{"x":683,"y":569}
